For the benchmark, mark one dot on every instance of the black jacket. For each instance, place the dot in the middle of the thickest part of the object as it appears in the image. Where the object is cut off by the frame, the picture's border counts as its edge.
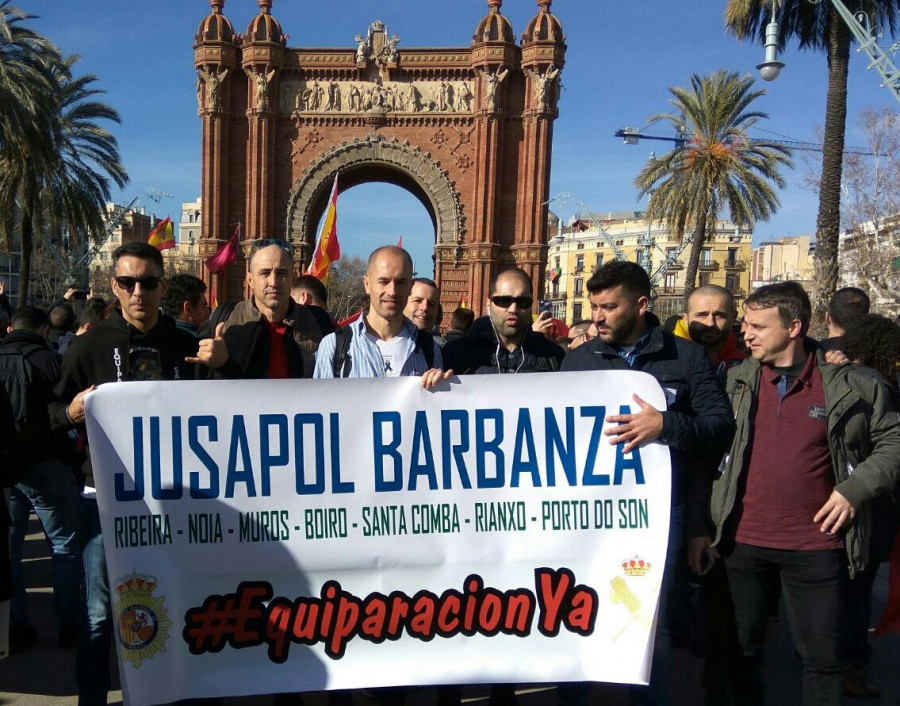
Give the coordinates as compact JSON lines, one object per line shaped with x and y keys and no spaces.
{"x":247,"y":339}
{"x":115,"y":351}
{"x":697,"y":425}
{"x":40,"y":439}
{"x":479,"y":352}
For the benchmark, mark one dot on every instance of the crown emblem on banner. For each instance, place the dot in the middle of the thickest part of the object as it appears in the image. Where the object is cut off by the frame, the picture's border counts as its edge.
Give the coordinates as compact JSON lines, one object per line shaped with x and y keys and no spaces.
{"x":636,"y":566}
{"x":142,"y":622}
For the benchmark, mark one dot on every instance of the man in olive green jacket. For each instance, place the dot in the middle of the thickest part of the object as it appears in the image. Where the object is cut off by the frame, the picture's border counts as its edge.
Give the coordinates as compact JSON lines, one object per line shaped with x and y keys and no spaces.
{"x":814,"y":443}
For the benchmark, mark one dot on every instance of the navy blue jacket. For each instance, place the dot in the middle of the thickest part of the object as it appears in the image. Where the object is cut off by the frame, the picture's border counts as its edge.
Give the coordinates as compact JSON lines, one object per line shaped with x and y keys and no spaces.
{"x":479,"y":352}
{"x":698,"y":424}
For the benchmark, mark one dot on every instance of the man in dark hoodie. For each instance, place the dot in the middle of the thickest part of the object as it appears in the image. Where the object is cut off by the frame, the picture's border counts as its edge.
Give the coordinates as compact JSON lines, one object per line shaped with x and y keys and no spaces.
{"x":696,"y":425}
{"x":135,"y":342}
{"x":503,"y":341}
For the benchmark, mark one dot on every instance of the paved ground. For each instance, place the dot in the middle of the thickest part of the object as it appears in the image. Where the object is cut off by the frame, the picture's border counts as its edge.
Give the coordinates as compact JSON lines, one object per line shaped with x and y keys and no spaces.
{"x":44,"y":675}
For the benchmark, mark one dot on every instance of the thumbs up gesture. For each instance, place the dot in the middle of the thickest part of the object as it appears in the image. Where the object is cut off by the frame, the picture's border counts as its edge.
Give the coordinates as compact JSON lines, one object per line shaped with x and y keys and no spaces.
{"x":212,"y":352}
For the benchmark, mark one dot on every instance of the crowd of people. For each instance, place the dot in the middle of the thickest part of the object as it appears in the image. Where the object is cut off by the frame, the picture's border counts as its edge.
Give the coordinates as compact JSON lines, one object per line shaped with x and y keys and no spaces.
{"x":785,"y":451}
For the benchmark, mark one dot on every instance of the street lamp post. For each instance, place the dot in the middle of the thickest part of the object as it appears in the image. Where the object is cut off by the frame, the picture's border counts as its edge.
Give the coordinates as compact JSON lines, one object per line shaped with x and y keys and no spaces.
{"x":863,"y":32}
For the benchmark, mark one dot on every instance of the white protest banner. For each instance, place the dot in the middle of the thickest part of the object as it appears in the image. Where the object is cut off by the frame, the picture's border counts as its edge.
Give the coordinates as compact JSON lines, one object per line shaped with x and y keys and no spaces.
{"x":285,"y":536}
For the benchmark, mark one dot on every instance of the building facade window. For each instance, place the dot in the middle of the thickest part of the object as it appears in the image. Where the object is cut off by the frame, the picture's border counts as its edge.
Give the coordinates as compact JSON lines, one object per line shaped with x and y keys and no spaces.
{"x":706,"y":256}
{"x":704,"y":278}
{"x":576,"y":312}
{"x":598,"y":261}
{"x":669,"y":284}
{"x":579,"y":287}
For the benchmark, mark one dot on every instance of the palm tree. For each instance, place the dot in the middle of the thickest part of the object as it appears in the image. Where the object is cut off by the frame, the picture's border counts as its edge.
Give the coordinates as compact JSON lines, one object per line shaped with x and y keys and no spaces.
{"x":718,"y":166}
{"x":26,"y":86}
{"x":65,"y":178}
{"x":818,"y":26}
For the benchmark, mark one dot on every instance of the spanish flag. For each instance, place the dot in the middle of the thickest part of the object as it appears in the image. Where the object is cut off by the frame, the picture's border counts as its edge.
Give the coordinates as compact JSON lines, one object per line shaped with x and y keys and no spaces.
{"x":161,"y":237}
{"x":328,"y":249}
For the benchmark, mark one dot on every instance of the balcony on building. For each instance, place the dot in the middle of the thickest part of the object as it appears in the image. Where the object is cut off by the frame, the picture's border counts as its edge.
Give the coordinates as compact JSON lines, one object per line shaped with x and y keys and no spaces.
{"x":711,"y":266}
{"x":735,"y":264}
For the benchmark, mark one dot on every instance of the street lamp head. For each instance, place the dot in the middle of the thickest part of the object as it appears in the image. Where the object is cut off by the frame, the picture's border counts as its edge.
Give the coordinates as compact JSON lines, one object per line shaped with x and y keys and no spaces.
{"x":769,"y":70}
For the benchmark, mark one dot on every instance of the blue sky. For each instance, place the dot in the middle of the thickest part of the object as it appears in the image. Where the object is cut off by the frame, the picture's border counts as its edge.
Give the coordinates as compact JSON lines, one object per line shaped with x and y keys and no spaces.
{"x":621,"y":59}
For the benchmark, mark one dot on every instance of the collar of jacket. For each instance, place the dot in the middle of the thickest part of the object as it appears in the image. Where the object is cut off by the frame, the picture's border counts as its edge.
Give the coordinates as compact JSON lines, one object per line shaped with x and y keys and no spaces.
{"x":22,"y":336}
{"x":654,"y":344}
{"x":115,"y":320}
{"x":409,"y":326}
{"x":748,"y":371}
{"x":246,"y":312}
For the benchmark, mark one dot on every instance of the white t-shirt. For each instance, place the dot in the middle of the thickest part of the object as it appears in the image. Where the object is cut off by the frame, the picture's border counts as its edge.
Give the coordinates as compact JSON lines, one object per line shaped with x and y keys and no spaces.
{"x":392,"y":352}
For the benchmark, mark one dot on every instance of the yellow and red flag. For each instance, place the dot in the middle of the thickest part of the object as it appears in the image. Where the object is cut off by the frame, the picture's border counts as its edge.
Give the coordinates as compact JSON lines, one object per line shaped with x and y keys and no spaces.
{"x":462,"y":301}
{"x":162,"y":237}
{"x":328,"y":249}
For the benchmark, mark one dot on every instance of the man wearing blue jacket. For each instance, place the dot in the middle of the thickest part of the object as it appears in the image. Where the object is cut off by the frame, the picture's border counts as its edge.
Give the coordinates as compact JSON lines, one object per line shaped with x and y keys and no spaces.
{"x":697,"y":424}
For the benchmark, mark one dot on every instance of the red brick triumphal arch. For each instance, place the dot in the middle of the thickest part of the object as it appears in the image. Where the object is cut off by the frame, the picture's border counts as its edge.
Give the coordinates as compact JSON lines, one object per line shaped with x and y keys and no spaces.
{"x":468,"y":131}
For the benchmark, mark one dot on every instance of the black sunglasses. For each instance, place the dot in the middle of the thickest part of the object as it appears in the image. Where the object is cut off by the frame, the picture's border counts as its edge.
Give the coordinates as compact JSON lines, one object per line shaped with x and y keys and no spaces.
{"x":129,"y":283}
{"x":505,"y":302}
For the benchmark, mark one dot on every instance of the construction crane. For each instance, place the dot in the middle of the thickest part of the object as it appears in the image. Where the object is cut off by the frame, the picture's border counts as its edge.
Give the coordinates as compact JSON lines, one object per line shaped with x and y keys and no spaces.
{"x":565,"y":198}
{"x":633,"y":135}
{"x":71,"y":269}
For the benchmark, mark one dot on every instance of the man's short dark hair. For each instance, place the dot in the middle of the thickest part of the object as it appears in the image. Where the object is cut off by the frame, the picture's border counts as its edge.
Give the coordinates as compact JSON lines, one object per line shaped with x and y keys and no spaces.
{"x":847,"y":305}
{"x":461,"y":319}
{"x":29,"y":318}
{"x":182,"y":288}
{"x":425,"y":280}
{"x":633,"y":279}
{"x":521,"y":274}
{"x":94,"y":311}
{"x":789,"y":298}
{"x":311,"y":284}
{"x":63,"y":318}
{"x":140,"y":250}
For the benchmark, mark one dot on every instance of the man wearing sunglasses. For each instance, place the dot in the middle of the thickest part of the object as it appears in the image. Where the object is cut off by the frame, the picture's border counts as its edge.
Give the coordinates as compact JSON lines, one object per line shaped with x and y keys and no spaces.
{"x":503,"y":341}
{"x":135,"y":342}
{"x":269,"y":335}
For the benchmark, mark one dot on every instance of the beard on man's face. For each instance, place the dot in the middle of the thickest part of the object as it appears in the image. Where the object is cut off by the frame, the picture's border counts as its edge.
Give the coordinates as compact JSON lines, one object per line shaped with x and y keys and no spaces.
{"x":706,"y":335}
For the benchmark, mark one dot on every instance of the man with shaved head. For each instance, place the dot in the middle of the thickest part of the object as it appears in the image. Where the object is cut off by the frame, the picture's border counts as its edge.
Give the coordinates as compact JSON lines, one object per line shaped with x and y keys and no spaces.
{"x":268,"y":335}
{"x":503,"y":341}
{"x":708,"y":318}
{"x":383,"y":342}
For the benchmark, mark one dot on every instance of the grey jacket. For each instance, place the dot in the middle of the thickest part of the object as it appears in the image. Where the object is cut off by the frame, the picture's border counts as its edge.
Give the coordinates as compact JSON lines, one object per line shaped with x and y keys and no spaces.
{"x":863,"y":437}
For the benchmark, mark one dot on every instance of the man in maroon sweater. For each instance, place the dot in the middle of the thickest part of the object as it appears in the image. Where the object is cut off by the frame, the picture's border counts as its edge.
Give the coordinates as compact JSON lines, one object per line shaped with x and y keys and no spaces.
{"x":815,"y":442}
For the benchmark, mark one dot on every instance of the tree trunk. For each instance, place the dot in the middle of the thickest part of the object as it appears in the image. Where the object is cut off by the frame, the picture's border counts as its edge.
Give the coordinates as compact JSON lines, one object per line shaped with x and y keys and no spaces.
{"x":699,"y":240}
{"x":828,"y":221}
{"x":25,"y":257}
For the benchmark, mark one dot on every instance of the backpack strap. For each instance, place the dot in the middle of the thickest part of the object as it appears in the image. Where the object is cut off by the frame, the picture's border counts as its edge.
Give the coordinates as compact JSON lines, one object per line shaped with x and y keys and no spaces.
{"x":341,"y":363}
{"x":425,"y":343}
